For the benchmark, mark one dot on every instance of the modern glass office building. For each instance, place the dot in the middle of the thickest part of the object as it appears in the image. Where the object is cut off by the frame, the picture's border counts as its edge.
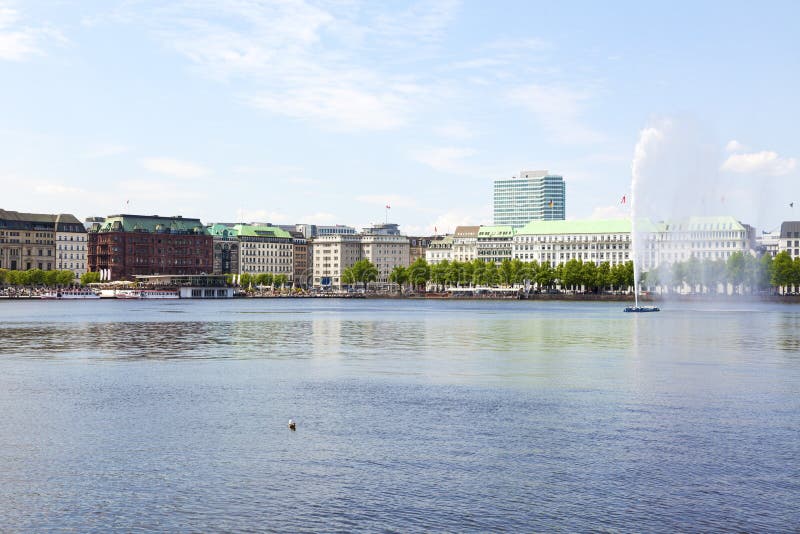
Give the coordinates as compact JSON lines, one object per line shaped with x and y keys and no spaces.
{"x":531,"y":196}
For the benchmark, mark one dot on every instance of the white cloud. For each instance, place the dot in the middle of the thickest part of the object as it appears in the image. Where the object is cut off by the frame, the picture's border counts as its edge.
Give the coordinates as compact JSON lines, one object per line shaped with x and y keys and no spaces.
{"x":395,"y":201}
{"x":304,"y":61}
{"x":175,"y":167}
{"x":107,"y":150}
{"x":48,"y":188}
{"x":19,"y":41}
{"x":735,"y":146}
{"x":445,"y":159}
{"x":446,"y":222}
{"x":250,"y":215}
{"x":455,"y":130}
{"x":320,"y":217}
{"x":345,"y":108}
{"x":764,"y":162}
{"x":558,"y":110}
{"x":618,"y":211}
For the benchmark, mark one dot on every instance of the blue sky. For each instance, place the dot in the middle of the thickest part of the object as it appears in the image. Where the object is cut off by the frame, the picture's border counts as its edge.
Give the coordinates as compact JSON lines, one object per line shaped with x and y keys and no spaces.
{"x":324,"y":112}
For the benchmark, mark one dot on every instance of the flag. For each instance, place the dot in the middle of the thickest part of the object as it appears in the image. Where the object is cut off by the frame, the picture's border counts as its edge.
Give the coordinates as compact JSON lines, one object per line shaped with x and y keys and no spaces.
{"x":435,"y":230}
{"x":388,"y":207}
{"x":623,"y":200}
{"x":791,"y":204}
{"x":551,"y":203}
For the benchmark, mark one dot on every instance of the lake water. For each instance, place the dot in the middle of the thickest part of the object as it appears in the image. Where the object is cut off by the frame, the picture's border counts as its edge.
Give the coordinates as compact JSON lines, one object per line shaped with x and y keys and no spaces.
{"x":411,"y":415}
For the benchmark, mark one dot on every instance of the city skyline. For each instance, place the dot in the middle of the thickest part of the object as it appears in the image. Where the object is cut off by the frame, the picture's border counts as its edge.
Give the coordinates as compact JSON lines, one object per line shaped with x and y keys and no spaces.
{"x":325,"y":113}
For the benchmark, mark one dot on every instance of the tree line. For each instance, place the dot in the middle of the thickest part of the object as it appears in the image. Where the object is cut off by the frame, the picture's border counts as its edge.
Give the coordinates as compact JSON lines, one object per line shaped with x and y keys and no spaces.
{"x":574,"y":274}
{"x":36,"y":277}
{"x":744,"y":272}
{"x":259,"y":280}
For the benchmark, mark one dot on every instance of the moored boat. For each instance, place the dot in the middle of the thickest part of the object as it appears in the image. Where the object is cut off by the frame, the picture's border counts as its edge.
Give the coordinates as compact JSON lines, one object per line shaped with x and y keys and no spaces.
{"x":70,"y":294}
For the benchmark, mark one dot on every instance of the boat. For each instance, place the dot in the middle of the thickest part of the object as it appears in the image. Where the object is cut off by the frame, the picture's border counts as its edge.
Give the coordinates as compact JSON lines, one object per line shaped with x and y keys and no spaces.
{"x":71,"y":294}
{"x":641,"y":309}
{"x":159,"y":294}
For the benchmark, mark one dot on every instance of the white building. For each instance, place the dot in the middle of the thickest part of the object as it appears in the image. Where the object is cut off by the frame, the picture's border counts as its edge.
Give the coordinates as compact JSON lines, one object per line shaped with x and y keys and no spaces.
{"x":265,"y":249}
{"x":705,"y":238}
{"x":557,"y":242}
{"x":495,"y":243}
{"x":385,"y":252}
{"x":790,"y":238}
{"x":465,"y":243}
{"x":440,"y":250}
{"x":71,"y":245}
{"x":769,"y":242}
{"x":331,"y":255}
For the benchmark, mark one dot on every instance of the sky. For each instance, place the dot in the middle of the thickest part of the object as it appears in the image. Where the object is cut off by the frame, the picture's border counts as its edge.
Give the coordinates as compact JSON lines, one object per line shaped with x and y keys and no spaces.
{"x":325,"y":112}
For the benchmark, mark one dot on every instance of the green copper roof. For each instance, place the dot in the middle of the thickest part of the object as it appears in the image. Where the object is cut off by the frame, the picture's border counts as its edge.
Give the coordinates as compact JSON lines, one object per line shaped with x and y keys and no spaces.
{"x":496,"y":231}
{"x":586,"y":226}
{"x":725,"y":222}
{"x":221,"y":230}
{"x":152,"y":224}
{"x":249,"y":230}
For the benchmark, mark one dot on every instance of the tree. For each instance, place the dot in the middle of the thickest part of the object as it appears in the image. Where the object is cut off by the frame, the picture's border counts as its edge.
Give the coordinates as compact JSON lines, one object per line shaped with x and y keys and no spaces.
{"x":765,"y":272}
{"x":65,"y":278}
{"x":399,"y":276}
{"x":571,"y":276}
{"x":348,"y":277}
{"x":603,"y":276}
{"x":545,"y":276}
{"x":735,"y":270}
{"x":693,"y":273}
{"x":419,"y":273}
{"x":365,"y":272}
{"x":491,"y":275}
{"x":90,"y":278}
{"x":677,"y":275}
{"x":589,"y":276}
{"x":279,"y":280}
{"x":455,"y":273}
{"x":3,"y":275}
{"x":782,"y":270}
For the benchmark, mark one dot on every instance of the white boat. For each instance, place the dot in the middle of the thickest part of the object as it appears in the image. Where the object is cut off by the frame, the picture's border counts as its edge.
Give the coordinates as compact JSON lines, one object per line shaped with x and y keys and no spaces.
{"x":159,"y":294}
{"x":71,"y":294}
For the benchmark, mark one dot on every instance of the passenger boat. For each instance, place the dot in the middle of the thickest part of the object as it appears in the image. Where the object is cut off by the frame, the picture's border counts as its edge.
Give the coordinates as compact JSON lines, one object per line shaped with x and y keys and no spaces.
{"x":641,"y":309}
{"x":146,"y":294}
{"x":71,"y":294}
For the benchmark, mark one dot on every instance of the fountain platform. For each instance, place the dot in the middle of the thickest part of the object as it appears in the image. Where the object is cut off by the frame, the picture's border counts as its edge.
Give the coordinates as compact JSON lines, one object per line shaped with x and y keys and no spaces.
{"x":641,"y":309}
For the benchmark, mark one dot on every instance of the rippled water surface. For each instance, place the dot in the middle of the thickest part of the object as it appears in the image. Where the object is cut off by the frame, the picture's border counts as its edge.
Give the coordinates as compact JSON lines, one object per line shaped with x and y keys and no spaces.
{"x":436,"y":416}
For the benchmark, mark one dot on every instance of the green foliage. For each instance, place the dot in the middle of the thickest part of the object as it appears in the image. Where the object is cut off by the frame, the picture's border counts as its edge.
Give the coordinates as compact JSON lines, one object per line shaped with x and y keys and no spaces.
{"x":399,"y":276}
{"x":90,"y":278}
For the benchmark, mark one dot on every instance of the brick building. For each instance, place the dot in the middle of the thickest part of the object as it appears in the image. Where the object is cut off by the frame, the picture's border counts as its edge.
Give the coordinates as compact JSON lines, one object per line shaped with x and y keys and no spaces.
{"x":130,"y":245}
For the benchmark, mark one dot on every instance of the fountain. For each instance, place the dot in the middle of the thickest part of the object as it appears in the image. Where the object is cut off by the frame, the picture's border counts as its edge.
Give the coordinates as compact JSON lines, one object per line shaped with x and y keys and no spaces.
{"x":639,"y":155}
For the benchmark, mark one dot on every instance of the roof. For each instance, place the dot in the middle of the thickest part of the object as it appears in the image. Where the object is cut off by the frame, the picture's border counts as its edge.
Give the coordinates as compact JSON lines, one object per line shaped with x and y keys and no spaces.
{"x":152,"y":224}
{"x":496,"y":231}
{"x":789,"y":226}
{"x":585,"y":226}
{"x":251,"y":230}
{"x":724,"y":222}
{"x":466,"y":231}
{"x":41,"y":218}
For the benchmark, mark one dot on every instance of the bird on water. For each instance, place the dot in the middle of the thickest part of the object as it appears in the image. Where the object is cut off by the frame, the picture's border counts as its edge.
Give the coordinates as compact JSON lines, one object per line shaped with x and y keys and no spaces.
{"x":292,"y":425}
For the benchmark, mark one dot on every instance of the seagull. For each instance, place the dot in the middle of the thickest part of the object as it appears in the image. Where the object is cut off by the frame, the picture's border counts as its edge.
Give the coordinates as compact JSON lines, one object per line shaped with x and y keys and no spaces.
{"x":292,"y":426}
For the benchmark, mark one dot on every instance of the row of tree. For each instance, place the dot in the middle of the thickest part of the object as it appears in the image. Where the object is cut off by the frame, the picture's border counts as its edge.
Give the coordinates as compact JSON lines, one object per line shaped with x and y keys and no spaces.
{"x":573,"y":274}
{"x":36,"y":277}
{"x":248,"y":280}
{"x":744,"y":272}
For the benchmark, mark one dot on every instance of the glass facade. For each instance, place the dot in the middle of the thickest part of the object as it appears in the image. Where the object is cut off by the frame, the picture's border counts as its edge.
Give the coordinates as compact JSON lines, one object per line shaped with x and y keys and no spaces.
{"x":533,"y":196}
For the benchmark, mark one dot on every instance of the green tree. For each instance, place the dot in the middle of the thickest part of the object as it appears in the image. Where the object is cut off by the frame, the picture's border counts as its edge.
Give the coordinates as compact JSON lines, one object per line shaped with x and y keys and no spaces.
{"x":399,"y":276}
{"x":90,"y":278}
{"x":765,"y":272}
{"x":65,"y":278}
{"x":782,"y":270}
{"x":348,"y":277}
{"x":694,"y":273}
{"x":491,"y":275}
{"x":419,"y":273}
{"x":455,"y":273}
{"x":3,"y":276}
{"x":735,"y":270}
{"x":279,"y":280}
{"x":571,"y":275}
{"x":603,"y":276}
{"x":545,"y":276}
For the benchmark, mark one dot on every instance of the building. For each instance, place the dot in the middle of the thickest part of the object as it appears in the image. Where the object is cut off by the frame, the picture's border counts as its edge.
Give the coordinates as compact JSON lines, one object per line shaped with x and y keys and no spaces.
{"x":768,"y":243}
{"x":531,"y":196}
{"x":418,"y":247}
{"x":312,"y":230}
{"x":265,"y":249}
{"x":226,"y":248}
{"x":386,"y":249}
{"x":705,"y":238}
{"x":301,"y":257}
{"x":557,"y":242}
{"x":124,"y":246}
{"x":28,"y":240}
{"x":495,"y":243}
{"x":71,"y":245}
{"x":790,"y":238}
{"x":331,"y":255}
{"x":465,"y":243}
{"x":439,"y":250}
